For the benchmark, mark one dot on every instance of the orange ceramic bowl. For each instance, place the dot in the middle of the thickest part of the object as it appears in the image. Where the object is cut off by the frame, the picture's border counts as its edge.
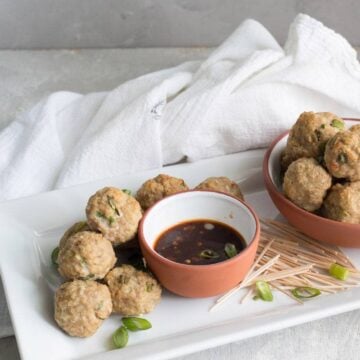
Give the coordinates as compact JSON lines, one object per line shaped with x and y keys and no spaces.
{"x":199,"y":280}
{"x":317,"y":227}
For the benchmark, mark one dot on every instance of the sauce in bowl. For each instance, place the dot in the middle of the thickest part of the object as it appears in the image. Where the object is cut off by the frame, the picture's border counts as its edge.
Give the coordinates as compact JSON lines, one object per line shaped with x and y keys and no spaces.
{"x":199,"y":242}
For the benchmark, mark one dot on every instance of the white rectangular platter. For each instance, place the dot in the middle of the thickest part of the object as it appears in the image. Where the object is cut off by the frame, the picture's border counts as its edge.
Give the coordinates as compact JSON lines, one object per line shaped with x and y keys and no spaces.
{"x":31,"y":227}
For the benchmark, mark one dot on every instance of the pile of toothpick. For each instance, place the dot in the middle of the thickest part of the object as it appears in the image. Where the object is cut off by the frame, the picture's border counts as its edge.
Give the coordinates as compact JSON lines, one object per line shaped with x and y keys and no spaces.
{"x":287,"y":259}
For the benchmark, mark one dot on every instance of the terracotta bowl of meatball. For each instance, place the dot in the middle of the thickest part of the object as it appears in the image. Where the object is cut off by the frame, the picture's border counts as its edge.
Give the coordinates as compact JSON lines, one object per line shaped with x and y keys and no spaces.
{"x":314,"y":213}
{"x":199,"y":243}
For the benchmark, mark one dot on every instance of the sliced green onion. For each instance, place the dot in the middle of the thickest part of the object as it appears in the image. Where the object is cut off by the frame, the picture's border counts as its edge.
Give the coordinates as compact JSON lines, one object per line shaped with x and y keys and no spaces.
{"x":230,"y":250}
{"x":338,"y":272}
{"x":109,"y":219}
{"x":136,"y":323}
{"x":337,"y":124}
{"x":264,"y":291}
{"x":342,"y":158}
{"x":149,"y":287}
{"x":120,"y":337}
{"x":305,"y":292}
{"x":88,"y":277}
{"x":113,"y":205}
{"x":55,"y":255}
{"x":100,"y":214}
{"x":209,"y":254}
{"x":127,"y":191}
{"x":79,"y":226}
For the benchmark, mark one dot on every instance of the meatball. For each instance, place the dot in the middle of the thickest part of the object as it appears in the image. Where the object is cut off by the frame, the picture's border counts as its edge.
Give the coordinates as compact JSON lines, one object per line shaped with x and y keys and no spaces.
{"x":342,"y":155}
{"x":77,"y":227}
{"x":159,"y":187}
{"x":306,"y":183}
{"x":355,"y":128}
{"x":133,"y":292}
{"x":222,"y":184}
{"x":309,"y":135}
{"x":86,"y":255}
{"x":81,"y":306}
{"x":343,"y":203}
{"x":115,"y":214}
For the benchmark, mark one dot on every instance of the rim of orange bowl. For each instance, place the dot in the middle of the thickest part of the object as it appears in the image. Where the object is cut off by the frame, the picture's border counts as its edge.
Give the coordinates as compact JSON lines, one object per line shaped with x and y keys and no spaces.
{"x":270,"y":184}
{"x":227,"y":262}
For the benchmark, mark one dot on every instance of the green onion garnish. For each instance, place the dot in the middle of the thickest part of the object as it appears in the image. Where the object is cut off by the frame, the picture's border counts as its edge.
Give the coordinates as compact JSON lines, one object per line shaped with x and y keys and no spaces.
{"x":264,"y":291}
{"x":337,"y":124}
{"x":55,"y":255}
{"x":120,"y":337}
{"x":230,"y":250}
{"x":209,"y":254}
{"x":305,"y":292}
{"x":341,"y":158}
{"x":88,"y":277}
{"x":100,"y":214}
{"x":127,"y":191}
{"x":338,"y":272}
{"x":112,"y":204}
{"x":79,"y":226}
{"x":109,"y":219}
{"x":136,"y":323}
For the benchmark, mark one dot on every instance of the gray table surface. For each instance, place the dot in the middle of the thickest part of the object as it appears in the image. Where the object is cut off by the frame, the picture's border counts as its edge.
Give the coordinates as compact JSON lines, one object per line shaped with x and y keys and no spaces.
{"x":27,"y":76}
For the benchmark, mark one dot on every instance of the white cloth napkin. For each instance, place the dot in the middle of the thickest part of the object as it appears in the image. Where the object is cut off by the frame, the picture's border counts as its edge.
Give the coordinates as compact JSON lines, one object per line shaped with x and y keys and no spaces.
{"x":241,"y":97}
{"x":247,"y":92}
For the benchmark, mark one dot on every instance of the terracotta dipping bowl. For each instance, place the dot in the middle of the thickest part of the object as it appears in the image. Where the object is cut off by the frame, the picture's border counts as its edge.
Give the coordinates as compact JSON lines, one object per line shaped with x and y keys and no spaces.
{"x":199,"y":280}
{"x":317,"y":227}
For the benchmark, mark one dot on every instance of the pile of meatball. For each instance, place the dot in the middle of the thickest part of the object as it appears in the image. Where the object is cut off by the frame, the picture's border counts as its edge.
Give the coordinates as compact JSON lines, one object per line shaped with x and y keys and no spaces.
{"x":96,"y":284}
{"x":321,"y":165}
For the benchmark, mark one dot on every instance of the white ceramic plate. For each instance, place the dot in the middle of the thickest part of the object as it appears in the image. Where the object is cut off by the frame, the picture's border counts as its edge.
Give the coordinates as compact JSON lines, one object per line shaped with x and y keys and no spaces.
{"x":30,"y":229}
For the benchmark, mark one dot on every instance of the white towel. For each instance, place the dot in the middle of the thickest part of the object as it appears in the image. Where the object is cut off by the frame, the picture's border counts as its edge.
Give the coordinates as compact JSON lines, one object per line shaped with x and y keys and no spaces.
{"x":241,"y":97}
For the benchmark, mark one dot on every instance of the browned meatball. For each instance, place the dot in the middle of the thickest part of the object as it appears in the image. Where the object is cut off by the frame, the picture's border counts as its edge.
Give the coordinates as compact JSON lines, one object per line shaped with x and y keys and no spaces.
{"x":159,"y":187}
{"x":114,"y":213}
{"x":133,"y":292}
{"x":343,"y":203}
{"x":86,"y":255}
{"x":81,"y":306}
{"x":309,"y":135}
{"x":222,"y":184}
{"x":306,"y":183}
{"x":77,"y":227}
{"x":355,"y":128}
{"x":342,"y":155}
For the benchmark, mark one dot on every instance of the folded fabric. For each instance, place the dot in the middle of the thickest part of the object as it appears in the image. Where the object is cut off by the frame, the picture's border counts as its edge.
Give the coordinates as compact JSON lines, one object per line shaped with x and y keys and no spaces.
{"x":241,"y":97}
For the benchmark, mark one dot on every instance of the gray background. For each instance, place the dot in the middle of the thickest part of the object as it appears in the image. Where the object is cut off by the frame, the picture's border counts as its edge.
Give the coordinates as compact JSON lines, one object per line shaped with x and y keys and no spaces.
{"x":55,"y":24}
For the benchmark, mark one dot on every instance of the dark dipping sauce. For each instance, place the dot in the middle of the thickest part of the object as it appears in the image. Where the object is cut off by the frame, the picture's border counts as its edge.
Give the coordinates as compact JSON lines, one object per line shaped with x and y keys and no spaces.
{"x":200,"y":242}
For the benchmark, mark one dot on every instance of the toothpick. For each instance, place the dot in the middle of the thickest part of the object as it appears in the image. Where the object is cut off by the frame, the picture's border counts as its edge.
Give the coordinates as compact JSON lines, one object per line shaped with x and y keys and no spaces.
{"x":244,"y":283}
